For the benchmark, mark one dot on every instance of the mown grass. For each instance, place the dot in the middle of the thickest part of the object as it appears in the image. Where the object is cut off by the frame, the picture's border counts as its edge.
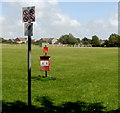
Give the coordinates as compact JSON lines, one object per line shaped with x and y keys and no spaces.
{"x":77,"y":74}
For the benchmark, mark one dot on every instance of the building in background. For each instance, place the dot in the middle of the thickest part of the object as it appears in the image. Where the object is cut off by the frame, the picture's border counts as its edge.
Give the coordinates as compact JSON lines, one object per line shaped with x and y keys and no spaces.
{"x":21,"y":40}
{"x":49,"y":40}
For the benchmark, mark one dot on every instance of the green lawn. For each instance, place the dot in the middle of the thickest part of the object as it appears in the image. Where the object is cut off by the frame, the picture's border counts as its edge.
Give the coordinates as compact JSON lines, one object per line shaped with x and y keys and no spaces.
{"x":77,"y":74}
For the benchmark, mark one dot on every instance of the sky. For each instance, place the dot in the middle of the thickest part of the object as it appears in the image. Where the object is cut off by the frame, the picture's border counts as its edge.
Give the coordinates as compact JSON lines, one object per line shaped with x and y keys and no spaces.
{"x":53,"y":19}
{"x":85,"y":11}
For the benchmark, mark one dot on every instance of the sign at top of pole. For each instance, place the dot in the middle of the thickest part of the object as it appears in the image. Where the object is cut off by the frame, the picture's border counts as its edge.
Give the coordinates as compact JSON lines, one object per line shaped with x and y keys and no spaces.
{"x":29,"y":14}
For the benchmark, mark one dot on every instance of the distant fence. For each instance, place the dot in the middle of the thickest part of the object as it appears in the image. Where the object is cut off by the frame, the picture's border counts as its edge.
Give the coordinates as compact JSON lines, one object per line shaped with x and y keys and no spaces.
{"x":69,"y":45}
{"x":65,"y":45}
{"x":51,"y":45}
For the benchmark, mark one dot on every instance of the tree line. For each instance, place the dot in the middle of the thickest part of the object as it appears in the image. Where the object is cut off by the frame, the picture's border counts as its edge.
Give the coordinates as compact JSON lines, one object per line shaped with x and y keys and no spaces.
{"x":113,"y":40}
{"x":95,"y":41}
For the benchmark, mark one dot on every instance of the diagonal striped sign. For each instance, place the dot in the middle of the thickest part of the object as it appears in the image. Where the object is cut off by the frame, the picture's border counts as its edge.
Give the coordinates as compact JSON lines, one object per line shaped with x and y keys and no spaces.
{"x":29,"y":14}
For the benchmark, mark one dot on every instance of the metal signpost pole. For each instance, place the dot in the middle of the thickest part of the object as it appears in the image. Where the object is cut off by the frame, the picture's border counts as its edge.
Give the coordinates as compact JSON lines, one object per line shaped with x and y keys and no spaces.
{"x":29,"y":16}
{"x":29,"y":71}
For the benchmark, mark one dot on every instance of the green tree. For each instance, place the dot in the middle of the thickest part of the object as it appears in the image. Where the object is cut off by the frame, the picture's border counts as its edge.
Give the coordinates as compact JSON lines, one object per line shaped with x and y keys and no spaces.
{"x":68,"y":39}
{"x":78,"y":40}
{"x":3,"y":40}
{"x":95,"y":41}
{"x":86,"y":41}
{"x":118,"y":40}
{"x":106,"y":43}
{"x":114,"y":40}
{"x":63,"y":39}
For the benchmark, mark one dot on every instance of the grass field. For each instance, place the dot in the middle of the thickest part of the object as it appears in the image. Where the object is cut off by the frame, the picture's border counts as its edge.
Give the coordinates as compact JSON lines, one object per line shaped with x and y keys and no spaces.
{"x":77,"y":74}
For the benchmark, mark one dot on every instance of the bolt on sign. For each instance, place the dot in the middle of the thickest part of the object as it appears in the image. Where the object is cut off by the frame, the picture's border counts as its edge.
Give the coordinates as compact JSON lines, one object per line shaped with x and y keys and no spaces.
{"x":28,"y":29}
{"x":29,"y":14}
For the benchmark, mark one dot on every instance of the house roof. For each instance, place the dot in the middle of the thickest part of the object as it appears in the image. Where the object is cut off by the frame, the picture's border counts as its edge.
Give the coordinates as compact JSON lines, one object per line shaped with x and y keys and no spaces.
{"x":50,"y":39}
{"x":21,"y":39}
{"x":47,"y":39}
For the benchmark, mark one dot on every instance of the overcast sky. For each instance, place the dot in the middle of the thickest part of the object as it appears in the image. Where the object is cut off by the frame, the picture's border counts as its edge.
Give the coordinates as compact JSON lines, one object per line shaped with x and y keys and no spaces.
{"x":53,"y":19}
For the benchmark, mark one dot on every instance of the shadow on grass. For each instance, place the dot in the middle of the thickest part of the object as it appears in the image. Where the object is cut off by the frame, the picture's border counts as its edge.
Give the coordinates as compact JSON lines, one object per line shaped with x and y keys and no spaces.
{"x":49,"y":107}
{"x":43,"y":78}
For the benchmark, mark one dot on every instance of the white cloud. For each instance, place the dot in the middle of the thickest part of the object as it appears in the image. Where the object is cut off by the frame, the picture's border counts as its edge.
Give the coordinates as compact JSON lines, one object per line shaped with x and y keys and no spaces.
{"x":103,"y":28}
{"x":52,"y":22}
{"x":2,"y":19}
{"x":60,"y":0}
{"x":114,"y":20}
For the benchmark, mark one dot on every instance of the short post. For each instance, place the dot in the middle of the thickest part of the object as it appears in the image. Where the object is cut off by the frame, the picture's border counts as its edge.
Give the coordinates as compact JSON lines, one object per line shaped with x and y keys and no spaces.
{"x":45,"y":73}
{"x":45,"y":61}
{"x":45,"y":55}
